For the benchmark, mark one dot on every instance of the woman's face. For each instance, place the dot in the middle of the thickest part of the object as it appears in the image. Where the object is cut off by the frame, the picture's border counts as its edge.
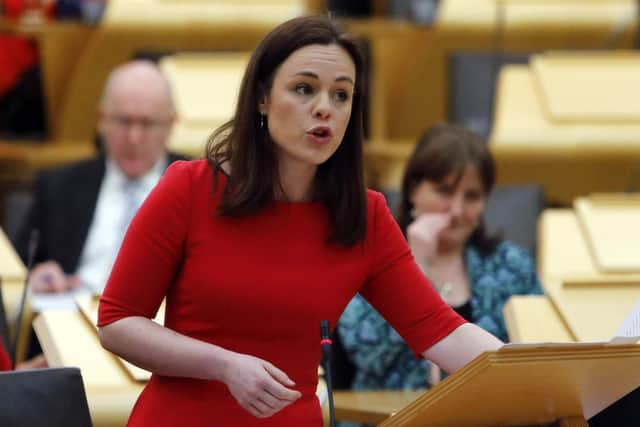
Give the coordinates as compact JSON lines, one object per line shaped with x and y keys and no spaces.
{"x":309,"y":104}
{"x":464,"y":203}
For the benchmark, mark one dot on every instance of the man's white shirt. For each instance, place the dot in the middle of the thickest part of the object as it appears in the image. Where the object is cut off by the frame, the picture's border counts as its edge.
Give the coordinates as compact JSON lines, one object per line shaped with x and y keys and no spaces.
{"x":109,"y":224}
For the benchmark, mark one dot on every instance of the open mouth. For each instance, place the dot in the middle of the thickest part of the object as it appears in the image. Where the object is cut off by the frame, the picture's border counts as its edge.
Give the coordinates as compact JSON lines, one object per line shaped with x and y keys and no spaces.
{"x":320,"y":132}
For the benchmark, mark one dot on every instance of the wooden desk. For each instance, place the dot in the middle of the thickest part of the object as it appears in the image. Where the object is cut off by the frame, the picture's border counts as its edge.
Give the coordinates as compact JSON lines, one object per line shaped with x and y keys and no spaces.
{"x":67,"y":339}
{"x":563,"y":252}
{"x":533,"y":318}
{"x":592,"y":303}
{"x":371,"y":407}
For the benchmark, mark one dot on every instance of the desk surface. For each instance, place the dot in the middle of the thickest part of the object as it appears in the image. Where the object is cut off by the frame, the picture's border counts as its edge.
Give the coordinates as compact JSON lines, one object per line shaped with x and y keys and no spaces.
{"x":371,"y":407}
{"x":67,"y":339}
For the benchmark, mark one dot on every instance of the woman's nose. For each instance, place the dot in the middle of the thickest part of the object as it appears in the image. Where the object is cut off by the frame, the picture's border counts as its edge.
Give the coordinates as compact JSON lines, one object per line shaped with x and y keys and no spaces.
{"x":457,"y":205}
{"x":322,"y":108}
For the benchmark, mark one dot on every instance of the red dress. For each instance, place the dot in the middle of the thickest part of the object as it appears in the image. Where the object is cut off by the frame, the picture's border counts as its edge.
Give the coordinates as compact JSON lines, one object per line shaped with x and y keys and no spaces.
{"x":258,"y":285}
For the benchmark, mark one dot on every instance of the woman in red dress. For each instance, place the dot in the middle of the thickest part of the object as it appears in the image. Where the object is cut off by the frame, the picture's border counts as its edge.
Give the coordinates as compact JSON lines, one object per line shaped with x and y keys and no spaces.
{"x":255,"y":245}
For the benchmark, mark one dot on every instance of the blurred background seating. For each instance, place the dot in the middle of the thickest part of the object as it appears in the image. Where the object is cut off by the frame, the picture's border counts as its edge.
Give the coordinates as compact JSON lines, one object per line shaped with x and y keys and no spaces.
{"x":549,"y":83}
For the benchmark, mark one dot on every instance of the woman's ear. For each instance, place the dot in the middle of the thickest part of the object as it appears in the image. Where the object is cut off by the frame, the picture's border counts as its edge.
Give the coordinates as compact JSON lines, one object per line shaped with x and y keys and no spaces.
{"x":263,"y":101}
{"x":263,"y":105}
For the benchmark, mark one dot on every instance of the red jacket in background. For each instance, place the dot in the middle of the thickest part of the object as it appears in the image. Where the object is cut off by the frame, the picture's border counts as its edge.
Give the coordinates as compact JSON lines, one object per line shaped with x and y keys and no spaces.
{"x":5,"y":361}
{"x":17,"y":55}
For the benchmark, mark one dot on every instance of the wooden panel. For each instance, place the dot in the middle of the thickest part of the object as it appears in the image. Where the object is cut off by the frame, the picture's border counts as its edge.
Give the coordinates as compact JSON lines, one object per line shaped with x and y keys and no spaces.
{"x":525,"y":385}
{"x":594,"y":311}
{"x":205,"y":88}
{"x":563,"y":252}
{"x":611,"y":225}
{"x":533,"y":318}
{"x":573,"y":422}
{"x":569,"y":160}
{"x":589,"y":87}
{"x":371,"y":407}
{"x":69,"y":340}
{"x":88,"y":306}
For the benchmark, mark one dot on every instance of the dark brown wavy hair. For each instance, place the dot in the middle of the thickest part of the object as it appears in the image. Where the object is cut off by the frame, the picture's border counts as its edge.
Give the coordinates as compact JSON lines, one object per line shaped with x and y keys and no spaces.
{"x":339,"y":182}
{"x":442,"y":150}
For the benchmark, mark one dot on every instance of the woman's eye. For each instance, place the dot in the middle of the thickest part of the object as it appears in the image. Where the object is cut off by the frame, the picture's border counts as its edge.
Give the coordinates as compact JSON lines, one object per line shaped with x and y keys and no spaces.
{"x":303,"y":89}
{"x":445,"y":190}
{"x":341,"y":96}
{"x":473,"y":196}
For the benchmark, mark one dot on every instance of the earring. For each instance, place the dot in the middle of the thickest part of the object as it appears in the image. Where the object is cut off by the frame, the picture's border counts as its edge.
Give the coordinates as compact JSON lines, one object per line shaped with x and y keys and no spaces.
{"x":262,"y":120}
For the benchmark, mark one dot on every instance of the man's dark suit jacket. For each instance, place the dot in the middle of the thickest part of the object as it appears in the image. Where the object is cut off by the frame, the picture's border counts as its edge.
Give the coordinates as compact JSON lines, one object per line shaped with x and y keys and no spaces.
{"x":62,"y":211}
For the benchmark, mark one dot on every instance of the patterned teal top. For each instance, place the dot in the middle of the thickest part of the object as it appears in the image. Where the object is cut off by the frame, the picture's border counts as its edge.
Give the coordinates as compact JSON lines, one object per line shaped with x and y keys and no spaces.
{"x":382,"y":359}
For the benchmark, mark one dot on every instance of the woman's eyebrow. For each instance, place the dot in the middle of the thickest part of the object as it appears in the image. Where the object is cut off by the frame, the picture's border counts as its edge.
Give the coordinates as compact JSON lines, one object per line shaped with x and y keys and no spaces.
{"x":315,"y":76}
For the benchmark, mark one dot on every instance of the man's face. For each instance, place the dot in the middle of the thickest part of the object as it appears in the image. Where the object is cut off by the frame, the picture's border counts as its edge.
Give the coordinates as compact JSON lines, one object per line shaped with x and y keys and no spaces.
{"x":135,"y":122}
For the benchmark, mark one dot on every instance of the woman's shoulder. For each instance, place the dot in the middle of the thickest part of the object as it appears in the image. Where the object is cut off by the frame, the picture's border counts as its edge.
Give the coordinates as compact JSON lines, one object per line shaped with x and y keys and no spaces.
{"x":503,"y":251}
{"x":375,"y":202}
{"x":512,"y":252}
{"x":189,"y":167}
{"x":508,"y":262}
{"x":195,"y":171}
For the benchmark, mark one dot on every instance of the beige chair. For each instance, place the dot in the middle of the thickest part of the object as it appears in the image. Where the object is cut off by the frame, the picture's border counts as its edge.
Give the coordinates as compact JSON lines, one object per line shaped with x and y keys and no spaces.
{"x":205,"y":88}
{"x":570,"y":122}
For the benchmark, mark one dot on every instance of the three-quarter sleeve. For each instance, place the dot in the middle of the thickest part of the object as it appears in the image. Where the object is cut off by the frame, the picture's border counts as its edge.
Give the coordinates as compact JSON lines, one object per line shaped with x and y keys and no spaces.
{"x":398,"y":289}
{"x":151,"y":251}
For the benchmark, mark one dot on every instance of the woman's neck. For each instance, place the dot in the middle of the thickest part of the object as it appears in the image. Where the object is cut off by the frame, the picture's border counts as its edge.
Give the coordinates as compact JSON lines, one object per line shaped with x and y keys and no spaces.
{"x":450,"y":252}
{"x":296,"y":183}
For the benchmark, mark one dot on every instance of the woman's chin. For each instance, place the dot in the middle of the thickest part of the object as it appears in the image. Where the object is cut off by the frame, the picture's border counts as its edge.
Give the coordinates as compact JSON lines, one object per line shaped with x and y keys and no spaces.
{"x":453,"y":240}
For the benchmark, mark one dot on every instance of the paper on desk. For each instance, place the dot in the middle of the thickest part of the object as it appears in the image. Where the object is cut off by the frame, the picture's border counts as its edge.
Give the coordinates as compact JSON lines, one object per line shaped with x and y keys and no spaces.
{"x":631,"y":325}
{"x":62,"y":301}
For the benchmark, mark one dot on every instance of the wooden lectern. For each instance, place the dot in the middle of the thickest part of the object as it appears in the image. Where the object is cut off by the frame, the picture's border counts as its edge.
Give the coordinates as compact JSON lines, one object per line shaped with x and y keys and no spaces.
{"x":524,"y":385}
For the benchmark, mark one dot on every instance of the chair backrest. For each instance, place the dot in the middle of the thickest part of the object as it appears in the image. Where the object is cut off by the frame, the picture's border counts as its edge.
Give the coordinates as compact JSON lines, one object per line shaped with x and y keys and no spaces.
{"x":205,"y":86}
{"x":52,"y":397}
{"x":513,"y":211}
{"x":16,"y":207}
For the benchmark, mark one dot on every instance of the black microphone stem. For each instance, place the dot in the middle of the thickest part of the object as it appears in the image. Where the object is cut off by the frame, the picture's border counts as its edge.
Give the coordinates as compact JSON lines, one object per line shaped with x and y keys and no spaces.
{"x":325,"y":343}
{"x":34,"y":240}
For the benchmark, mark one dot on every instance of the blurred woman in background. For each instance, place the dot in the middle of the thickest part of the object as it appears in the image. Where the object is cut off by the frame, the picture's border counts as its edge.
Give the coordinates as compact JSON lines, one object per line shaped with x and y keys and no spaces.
{"x":445,"y":186}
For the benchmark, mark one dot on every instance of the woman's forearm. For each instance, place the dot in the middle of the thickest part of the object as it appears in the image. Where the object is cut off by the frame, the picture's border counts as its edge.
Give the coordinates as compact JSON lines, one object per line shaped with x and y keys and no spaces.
{"x":163,"y":351}
{"x":461,"y":346}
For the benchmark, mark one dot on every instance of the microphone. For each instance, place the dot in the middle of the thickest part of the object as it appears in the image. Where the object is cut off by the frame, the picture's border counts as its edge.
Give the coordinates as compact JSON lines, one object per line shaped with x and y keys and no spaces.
{"x":325,"y":343}
{"x":34,"y":241}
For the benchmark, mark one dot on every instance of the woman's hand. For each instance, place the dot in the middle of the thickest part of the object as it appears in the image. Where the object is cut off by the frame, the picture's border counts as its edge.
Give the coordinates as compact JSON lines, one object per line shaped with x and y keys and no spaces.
{"x":423,"y":235}
{"x":258,"y":386}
